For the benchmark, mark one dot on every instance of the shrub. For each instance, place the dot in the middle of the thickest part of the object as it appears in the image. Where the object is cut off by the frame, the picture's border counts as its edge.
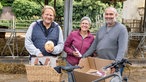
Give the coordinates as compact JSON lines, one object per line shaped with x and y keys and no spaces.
{"x":7,"y":2}
{"x":26,"y":9}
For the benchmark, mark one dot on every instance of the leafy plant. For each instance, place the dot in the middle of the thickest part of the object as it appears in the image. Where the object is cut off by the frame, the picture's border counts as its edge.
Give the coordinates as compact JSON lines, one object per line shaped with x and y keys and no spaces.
{"x":31,"y":10}
{"x":7,"y":2}
{"x":26,"y":9}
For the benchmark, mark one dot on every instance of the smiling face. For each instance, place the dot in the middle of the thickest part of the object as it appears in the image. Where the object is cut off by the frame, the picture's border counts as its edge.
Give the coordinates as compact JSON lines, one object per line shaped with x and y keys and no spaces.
{"x":85,"y":25}
{"x":110,"y":16}
{"x":48,"y":15}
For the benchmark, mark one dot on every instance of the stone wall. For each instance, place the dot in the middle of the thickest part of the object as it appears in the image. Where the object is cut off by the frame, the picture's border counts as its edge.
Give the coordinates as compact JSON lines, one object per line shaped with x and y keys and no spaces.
{"x":7,"y":13}
{"x":130,"y":9}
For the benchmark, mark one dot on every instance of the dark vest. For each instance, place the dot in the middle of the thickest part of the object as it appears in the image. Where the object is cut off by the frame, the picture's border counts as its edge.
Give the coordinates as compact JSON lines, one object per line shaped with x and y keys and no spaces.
{"x":39,"y":36}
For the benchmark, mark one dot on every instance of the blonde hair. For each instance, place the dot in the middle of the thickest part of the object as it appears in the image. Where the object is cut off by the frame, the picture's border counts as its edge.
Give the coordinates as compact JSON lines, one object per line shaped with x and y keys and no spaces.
{"x":49,"y":7}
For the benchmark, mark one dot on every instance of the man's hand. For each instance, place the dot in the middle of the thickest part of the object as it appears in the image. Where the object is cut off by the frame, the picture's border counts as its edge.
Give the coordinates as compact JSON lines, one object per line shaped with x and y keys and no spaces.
{"x":40,"y":55}
{"x":50,"y":51}
{"x":112,"y":70}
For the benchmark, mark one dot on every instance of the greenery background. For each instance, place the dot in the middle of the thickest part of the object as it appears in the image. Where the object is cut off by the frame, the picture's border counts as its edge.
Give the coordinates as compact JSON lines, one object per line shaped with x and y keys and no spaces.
{"x":31,"y":9}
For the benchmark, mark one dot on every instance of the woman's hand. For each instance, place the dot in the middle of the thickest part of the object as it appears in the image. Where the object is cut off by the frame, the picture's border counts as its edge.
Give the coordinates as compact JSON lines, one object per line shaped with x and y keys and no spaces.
{"x":76,"y":54}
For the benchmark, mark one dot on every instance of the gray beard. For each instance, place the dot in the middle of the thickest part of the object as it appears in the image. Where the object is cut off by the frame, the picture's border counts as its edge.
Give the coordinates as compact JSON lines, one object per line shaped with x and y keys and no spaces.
{"x":110,"y":22}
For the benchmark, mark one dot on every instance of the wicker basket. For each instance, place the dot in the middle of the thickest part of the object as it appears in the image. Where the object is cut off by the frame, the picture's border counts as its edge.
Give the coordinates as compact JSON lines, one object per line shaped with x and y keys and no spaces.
{"x":42,"y":74}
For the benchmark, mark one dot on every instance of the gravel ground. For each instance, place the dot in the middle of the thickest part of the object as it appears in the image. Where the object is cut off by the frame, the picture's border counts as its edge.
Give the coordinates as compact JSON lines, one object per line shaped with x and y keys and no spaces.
{"x":137,"y":75}
{"x":13,"y":78}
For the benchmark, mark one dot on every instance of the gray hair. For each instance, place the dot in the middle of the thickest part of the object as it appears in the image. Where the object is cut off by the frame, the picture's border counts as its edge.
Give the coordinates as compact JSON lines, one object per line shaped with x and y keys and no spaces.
{"x":86,"y":18}
{"x":113,"y":9}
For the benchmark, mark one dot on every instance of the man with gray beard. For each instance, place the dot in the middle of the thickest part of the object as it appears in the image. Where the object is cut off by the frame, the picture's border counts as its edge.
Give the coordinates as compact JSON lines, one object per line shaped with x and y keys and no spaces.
{"x":111,"y":40}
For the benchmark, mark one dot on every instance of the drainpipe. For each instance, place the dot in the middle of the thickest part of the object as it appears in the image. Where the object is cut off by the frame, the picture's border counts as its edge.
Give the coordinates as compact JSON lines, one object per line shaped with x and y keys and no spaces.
{"x":144,"y":21}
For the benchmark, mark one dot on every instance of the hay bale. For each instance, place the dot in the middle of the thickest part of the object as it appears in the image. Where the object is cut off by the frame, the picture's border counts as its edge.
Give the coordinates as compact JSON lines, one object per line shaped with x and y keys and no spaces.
{"x":19,"y":68}
{"x":12,"y":68}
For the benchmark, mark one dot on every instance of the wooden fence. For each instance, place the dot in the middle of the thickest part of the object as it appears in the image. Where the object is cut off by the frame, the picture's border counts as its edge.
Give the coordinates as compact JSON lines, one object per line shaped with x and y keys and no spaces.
{"x":133,"y":25}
